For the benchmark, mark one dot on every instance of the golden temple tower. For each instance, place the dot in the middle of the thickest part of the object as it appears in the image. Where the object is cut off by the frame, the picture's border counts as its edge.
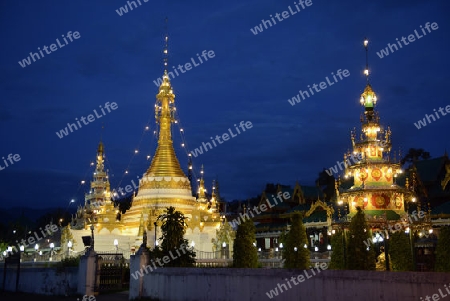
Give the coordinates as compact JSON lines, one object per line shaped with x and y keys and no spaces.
{"x":165,"y":184}
{"x":374,"y":174}
{"x":98,"y":207}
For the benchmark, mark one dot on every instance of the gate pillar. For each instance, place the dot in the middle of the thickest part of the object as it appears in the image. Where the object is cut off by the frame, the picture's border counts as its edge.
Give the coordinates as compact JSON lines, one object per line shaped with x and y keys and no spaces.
{"x":136,"y":263}
{"x":87,"y":273}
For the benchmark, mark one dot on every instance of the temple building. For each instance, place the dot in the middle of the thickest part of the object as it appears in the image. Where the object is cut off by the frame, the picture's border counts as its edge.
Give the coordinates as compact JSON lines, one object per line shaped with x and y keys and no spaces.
{"x":164,"y":184}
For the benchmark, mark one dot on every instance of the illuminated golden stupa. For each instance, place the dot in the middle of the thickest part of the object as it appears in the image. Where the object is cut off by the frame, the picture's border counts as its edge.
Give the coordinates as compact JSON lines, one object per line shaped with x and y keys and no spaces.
{"x":374,"y":176}
{"x":164,"y":184}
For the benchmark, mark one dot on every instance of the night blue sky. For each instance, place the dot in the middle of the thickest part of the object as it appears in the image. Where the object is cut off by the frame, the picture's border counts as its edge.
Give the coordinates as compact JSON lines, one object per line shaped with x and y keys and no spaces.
{"x":250,"y":78}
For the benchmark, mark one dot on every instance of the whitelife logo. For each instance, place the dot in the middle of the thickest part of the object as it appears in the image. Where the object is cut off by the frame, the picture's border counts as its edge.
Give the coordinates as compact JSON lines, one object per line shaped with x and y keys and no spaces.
{"x":224,"y":136}
{"x":398,"y":226}
{"x":318,"y":87}
{"x":10,"y":158}
{"x":49,"y":229}
{"x":284,"y":15}
{"x":124,"y":9}
{"x":166,"y":259}
{"x":262,"y":208}
{"x":423,"y":123}
{"x":187,"y":66}
{"x":391,"y":48}
{"x":90,"y":118}
{"x":300,"y":278}
{"x":53,"y":48}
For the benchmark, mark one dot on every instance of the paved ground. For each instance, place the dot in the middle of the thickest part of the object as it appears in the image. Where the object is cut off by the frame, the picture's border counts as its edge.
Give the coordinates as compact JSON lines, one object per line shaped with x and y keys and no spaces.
{"x":7,"y":296}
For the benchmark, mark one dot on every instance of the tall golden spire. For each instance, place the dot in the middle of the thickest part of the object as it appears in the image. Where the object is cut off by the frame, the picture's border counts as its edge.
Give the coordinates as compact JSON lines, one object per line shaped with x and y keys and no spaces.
{"x":368,"y":97}
{"x":165,"y":162}
{"x":201,"y":186}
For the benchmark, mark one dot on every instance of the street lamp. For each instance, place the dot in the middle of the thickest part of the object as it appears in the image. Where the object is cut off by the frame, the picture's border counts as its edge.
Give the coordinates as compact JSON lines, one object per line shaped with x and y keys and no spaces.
{"x":36,"y":248}
{"x":116,"y":244}
{"x":156,"y":242}
{"x":69,"y":246}
{"x":224,"y":250}
{"x":21,"y":250}
{"x":52,"y":246}
{"x":92,"y":235}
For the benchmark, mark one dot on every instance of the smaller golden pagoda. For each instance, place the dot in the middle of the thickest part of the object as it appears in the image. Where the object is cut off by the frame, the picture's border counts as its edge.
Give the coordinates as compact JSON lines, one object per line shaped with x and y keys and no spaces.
{"x":374,"y":175}
{"x":98,"y":207}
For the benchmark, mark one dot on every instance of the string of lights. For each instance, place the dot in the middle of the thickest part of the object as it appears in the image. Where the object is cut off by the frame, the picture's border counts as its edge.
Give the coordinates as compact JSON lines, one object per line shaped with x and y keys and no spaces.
{"x":136,"y":152}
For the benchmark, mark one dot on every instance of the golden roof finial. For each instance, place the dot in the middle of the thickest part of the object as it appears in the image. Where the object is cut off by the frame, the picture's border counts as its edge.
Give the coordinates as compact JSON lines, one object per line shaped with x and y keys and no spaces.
{"x":165,"y":162}
{"x":366,"y":46}
{"x":368,"y":97}
{"x":201,"y":187}
{"x":166,"y":47}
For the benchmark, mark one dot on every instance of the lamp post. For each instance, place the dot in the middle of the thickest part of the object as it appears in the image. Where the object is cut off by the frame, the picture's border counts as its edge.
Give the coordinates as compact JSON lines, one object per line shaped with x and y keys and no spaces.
{"x":36,"y":248}
{"x":52,"y":246}
{"x":155,"y":224}
{"x":224,"y":245}
{"x":21,"y":249}
{"x":69,"y":246}
{"x":92,"y":237}
{"x":116,"y":245}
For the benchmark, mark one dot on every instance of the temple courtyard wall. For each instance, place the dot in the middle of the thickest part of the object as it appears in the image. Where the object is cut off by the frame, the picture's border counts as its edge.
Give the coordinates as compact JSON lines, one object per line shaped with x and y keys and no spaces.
{"x":214,"y":284}
{"x":211,"y":284}
{"x":41,"y":280}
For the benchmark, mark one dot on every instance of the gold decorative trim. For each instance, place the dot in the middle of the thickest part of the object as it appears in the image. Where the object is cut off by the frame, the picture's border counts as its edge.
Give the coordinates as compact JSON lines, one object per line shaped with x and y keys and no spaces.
{"x":319,"y":203}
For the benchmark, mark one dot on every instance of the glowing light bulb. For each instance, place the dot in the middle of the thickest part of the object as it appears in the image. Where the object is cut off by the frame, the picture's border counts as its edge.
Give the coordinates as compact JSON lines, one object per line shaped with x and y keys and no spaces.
{"x":147,"y":128}
{"x":136,"y":151}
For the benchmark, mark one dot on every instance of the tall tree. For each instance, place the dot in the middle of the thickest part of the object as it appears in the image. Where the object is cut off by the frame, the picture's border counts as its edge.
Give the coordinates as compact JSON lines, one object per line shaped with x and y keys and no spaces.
{"x":443,"y":251}
{"x":359,"y":256}
{"x":245,"y":254}
{"x":294,"y":252}
{"x":325,"y":183}
{"x":400,"y":252}
{"x":225,"y":234}
{"x":414,"y":155}
{"x":338,"y":256}
{"x":173,"y":229}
